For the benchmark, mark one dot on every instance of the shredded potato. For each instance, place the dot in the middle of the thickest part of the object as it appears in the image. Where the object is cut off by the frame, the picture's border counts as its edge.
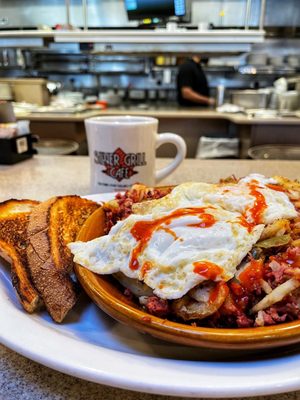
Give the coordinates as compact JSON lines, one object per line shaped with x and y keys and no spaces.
{"x":296,"y":243}
{"x":277,"y":294}
{"x":277,"y":228}
{"x":288,"y":184}
{"x":265,"y":286}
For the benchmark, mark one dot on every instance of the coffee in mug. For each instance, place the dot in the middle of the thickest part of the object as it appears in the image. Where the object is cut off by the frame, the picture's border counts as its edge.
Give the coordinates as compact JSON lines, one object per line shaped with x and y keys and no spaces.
{"x":122,"y":152}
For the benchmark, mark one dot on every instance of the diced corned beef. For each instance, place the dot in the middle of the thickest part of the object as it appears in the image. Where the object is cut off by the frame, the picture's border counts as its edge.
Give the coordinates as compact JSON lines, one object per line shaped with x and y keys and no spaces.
{"x":277,"y":271}
{"x":287,"y":310}
{"x":282,"y":266}
{"x":243,"y":321}
{"x":270,"y":317}
{"x":267,"y":319}
{"x":157,"y":306}
{"x":293,"y":255}
{"x":274,"y":313}
{"x":289,"y":307}
{"x":126,"y":200}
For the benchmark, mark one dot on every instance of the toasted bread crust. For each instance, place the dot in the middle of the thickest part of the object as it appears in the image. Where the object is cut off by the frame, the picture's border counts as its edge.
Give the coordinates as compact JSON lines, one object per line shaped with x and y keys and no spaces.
{"x":14,"y":219}
{"x":52,"y":225}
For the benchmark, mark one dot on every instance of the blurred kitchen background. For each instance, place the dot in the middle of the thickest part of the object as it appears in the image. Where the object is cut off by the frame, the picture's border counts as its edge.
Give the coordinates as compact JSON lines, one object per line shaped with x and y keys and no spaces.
{"x":62,"y":61}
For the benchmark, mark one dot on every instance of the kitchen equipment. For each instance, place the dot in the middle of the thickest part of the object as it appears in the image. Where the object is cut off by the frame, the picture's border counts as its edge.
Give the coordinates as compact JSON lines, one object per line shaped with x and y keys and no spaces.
{"x":152,"y":94}
{"x":4,"y":58}
{"x":279,"y":86}
{"x":60,"y":108}
{"x":137,"y":94}
{"x":217,"y":147}
{"x":261,"y":113}
{"x":53,"y":87}
{"x":162,"y":94}
{"x":167,"y":76}
{"x":5,"y":91}
{"x":71,"y":97}
{"x":220,"y":95}
{"x":275,"y":152}
{"x":274,"y":100}
{"x":257,"y":58}
{"x":7,"y":112}
{"x":111,"y":97}
{"x":10,"y":56}
{"x":293,"y":60}
{"x":91,"y":99}
{"x":57,"y":147}
{"x":289,"y":101}
{"x":30,"y":90}
{"x":251,"y":98}
{"x":229,"y":108}
{"x":20,"y":60}
{"x":4,"y":21}
{"x":276,"y":61}
{"x":203,"y":26}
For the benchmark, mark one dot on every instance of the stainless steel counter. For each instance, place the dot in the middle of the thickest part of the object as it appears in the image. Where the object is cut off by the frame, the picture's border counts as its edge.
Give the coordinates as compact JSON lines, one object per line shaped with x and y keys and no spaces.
{"x":165,"y":112}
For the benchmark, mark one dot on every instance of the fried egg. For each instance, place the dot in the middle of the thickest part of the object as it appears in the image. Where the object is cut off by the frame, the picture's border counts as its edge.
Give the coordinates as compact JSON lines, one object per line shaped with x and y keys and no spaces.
{"x":239,"y":197}
{"x":198,"y":232}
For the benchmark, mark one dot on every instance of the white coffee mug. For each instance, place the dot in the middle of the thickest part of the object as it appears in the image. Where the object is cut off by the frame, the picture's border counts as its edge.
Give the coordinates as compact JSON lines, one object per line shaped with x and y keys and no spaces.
{"x":122,"y":152}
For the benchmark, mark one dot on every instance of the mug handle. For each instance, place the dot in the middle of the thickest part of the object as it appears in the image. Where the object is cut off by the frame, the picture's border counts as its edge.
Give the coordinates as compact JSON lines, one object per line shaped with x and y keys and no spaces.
{"x":181,"y":153}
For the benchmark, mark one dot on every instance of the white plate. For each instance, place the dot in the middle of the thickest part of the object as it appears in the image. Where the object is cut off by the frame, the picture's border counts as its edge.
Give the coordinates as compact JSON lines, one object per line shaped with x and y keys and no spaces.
{"x":92,"y":346}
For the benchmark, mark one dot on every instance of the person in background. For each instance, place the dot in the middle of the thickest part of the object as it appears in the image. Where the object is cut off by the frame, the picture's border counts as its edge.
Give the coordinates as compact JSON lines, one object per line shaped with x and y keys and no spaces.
{"x":192,"y":86}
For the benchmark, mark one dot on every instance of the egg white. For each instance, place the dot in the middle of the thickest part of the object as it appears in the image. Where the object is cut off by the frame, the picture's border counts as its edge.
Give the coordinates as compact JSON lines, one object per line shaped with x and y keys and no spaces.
{"x":172,"y":252}
{"x":231,"y":197}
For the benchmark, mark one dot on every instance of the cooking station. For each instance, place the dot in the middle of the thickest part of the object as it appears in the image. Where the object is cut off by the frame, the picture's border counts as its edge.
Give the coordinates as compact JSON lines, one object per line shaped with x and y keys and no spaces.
{"x":190,"y":123}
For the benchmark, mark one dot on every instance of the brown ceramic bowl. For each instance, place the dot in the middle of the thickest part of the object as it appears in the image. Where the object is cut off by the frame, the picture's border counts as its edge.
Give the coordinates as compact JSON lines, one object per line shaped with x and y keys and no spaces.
{"x":104,"y":291}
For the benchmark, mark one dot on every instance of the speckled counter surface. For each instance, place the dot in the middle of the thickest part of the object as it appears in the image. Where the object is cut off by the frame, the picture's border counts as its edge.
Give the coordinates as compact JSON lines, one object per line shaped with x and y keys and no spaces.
{"x":43,"y":177}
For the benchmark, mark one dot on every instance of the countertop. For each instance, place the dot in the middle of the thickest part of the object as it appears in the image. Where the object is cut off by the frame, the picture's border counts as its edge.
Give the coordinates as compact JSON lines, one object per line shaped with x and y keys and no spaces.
{"x":164,"y":112}
{"x":42,"y":177}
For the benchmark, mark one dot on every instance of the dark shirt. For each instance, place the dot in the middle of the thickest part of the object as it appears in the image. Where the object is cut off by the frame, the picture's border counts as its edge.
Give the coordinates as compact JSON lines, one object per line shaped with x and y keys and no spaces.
{"x":191,"y":74}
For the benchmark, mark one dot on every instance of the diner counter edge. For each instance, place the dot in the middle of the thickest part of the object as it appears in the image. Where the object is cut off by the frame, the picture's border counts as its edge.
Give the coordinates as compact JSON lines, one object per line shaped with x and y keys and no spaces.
{"x":163,"y":112}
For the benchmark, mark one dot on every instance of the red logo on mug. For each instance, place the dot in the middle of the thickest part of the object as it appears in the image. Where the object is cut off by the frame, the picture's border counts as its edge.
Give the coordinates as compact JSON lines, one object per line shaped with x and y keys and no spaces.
{"x":120,"y":165}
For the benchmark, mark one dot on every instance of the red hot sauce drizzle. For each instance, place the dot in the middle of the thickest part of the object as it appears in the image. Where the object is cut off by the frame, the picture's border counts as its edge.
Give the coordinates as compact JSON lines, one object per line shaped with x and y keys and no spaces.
{"x":207,"y":220}
{"x":170,"y":232}
{"x":252,"y":275}
{"x":256,"y":210}
{"x":217,"y":290}
{"x":275,"y":187}
{"x":207,"y":269}
{"x":248,"y":225}
{"x":259,"y":205}
{"x":143,"y":230}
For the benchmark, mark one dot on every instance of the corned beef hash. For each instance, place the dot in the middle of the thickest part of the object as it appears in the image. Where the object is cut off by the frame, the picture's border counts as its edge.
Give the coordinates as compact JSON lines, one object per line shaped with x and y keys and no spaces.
{"x":223,"y":255}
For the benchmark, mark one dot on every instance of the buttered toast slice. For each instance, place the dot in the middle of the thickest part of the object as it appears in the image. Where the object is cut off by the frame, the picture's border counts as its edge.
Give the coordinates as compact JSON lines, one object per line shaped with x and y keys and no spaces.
{"x":14,"y":219}
{"x":52,"y":225}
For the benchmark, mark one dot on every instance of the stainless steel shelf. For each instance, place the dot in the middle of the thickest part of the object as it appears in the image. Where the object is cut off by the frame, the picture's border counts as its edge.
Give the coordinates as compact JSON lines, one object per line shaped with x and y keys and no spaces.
{"x":134,"y":40}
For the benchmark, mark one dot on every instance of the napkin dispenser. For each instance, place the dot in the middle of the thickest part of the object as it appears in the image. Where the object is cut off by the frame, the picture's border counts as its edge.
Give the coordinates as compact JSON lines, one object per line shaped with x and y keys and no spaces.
{"x":17,"y":148}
